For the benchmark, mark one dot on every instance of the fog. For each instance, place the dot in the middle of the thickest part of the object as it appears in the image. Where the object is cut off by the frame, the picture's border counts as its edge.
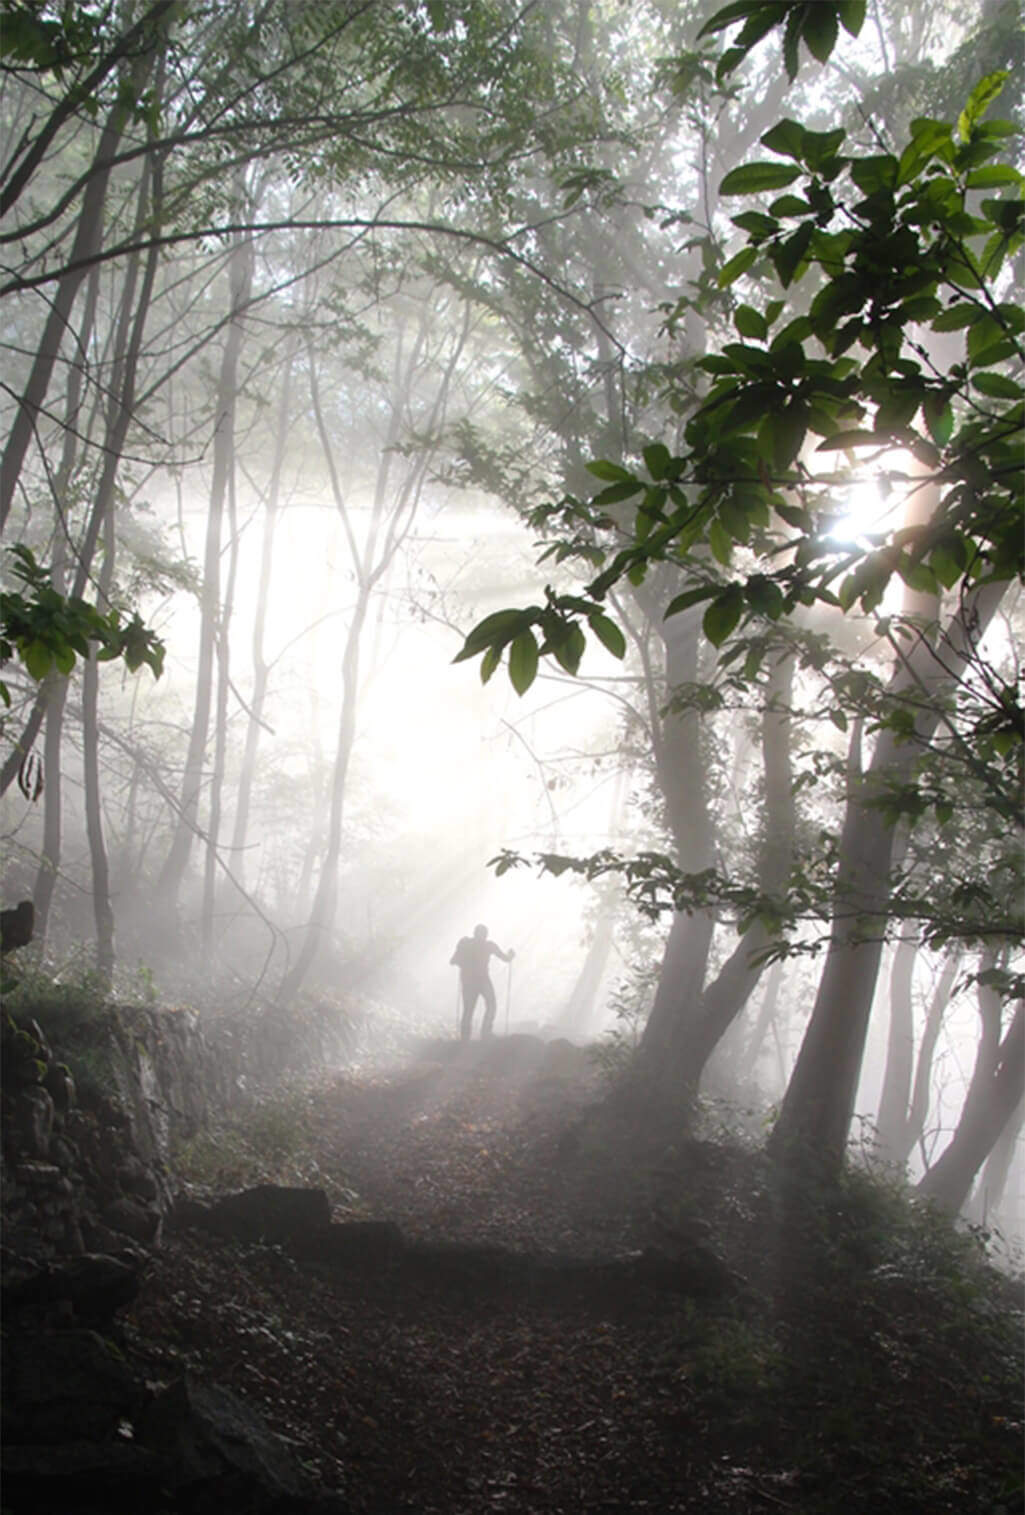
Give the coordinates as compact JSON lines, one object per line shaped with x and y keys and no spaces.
{"x":347,"y":401}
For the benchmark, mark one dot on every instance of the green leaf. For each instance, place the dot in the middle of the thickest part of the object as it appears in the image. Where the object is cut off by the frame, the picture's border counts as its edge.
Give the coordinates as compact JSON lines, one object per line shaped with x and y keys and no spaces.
{"x":523,"y":661}
{"x":489,"y":662}
{"x":608,"y":633}
{"x":987,"y":340}
{"x":764,"y":596}
{"x":820,"y":30}
{"x":791,"y":41}
{"x":723,"y":614}
{"x":852,"y":15}
{"x":616,"y":492}
{"x":757,"y":223}
{"x":956,"y":317}
{"x":788,"y":427}
{"x":657,"y":458}
{"x":755,"y":178}
{"x":736,"y":266}
{"x":939,"y":417}
{"x":842,"y":440}
{"x":875,"y":174}
{"x":750,"y":322}
{"x":979,"y":102}
{"x":997,"y":386}
{"x":785,"y":138}
{"x":721,"y":543}
{"x":496,"y":629}
{"x":947,"y":560}
{"x":917,"y":576}
{"x":788,"y":254}
{"x":691,"y":597}
{"x":739,"y":10}
{"x":611,"y":473}
{"x":570,"y":649}
{"x":37,"y":658}
{"x":929,"y":139}
{"x":993,"y":176}
{"x":791,"y":205}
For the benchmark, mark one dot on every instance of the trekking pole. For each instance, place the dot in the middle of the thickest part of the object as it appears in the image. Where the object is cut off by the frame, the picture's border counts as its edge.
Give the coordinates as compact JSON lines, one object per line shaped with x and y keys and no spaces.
{"x":459,"y":1028}
{"x":508,"y":997}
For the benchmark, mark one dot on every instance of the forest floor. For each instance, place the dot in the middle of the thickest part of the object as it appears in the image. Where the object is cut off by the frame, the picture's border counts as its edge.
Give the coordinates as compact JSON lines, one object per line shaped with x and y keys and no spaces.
{"x":853,"y":1360}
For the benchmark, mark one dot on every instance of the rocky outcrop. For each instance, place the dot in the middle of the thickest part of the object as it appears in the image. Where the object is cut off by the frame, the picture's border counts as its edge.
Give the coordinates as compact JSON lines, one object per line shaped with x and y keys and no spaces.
{"x":300,"y":1219}
{"x":86,"y":1190}
{"x":85,"y":1435}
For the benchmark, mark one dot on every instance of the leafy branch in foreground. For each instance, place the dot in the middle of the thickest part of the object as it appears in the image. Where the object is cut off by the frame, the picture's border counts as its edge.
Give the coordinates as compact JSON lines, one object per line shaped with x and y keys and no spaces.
{"x":898,"y":250}
{"x":816,"y":23}
{"x":47,"y":631}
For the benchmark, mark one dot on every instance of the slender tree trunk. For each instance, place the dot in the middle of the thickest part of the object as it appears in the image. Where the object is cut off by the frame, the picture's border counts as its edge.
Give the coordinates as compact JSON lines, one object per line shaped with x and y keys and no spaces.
{"x":55,"y":693}
{"x":240,"y":282}
{"x":322,"y":916}
{"x":391,"y":516}
{"x":819,"y":1102}
{"x":989,"y":1192}
{"x":761,"y":1027}
{"x":55,"y":689}
{"x":679,"y":766}
{"x":993,"y":1097}
{"x":103,"y":910}
{"x":127,"y":346}
{"x":918,"y":1109}
{"x":578,"y":1014}
{"x":900,"y":1052}
{"x":220,"y":724}
{"x":722,"y":1001}
{"x":260,"y":668}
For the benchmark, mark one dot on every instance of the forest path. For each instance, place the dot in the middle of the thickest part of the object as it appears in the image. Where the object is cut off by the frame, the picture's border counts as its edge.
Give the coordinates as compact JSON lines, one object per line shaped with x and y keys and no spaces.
{"x":453,"y":1402}
{"x":465,"y":1373}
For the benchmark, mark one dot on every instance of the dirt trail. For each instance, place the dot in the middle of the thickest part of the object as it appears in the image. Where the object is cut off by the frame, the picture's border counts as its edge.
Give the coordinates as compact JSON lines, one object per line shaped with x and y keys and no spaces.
{"x":506,"y":1385}
{"x":439,"y":1402}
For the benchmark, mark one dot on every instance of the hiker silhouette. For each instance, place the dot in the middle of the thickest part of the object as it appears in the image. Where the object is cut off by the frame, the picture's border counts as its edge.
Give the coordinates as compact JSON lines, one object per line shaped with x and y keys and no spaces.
{"x":471,"y":957}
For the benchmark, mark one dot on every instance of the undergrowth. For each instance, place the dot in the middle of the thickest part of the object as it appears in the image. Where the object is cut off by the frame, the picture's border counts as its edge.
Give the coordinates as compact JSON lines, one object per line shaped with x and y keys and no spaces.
{"x":267,"y":1140}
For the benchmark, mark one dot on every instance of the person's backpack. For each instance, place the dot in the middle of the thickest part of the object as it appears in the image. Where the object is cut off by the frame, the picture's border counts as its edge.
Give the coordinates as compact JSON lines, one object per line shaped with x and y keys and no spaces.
{"x":460,"y":956}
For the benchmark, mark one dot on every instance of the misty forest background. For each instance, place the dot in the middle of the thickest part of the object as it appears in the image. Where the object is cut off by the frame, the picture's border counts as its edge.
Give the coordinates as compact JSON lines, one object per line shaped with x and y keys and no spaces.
{"x":340,"y":339}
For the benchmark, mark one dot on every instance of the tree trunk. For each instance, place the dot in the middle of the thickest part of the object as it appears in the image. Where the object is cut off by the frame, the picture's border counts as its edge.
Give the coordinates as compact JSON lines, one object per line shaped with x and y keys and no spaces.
{"x":55,"y":689}
{"x":213,"y":831}
{"x":240,"y":276}
{"x":989,"y":1192}
{"x":722,"y":1001}
{"x":391,"y":516}
{"x":577,"y":1015}
{"x":819,"y":1103}
{"x":914,"y":1123}
{"x":322,"y":916}
{"x":260,"y":667}
{"x":680,"y":767}
{"x":127,"y":346}
{"x":989,"y":1108}
{"x":895,"y":1096}
{"x":760,"y":1029}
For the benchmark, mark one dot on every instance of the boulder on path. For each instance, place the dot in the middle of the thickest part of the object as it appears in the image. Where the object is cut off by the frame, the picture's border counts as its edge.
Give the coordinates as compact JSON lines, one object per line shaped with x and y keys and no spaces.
{"x":268,"y":1212}
{"x":95,"y":1285}
{"x":61,"y":1386}
{"x":224,"y":1457}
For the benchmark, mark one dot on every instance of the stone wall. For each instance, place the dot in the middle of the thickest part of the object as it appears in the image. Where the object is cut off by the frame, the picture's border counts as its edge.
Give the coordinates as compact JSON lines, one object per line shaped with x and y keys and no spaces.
{"x":93,"y":1107}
